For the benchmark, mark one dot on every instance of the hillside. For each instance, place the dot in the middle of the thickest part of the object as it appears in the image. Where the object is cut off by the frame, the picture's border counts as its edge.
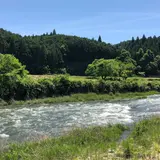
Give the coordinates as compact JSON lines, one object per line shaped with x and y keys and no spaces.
{"x":57,"y":53}
{"x":54,"y":53}
{"x":152,"y":43}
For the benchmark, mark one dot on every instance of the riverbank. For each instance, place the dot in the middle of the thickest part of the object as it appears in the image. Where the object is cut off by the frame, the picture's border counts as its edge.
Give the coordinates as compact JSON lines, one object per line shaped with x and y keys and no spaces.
{"x":94,"y":143}
{"x":67,"y":88}
{"x":86,"y":97}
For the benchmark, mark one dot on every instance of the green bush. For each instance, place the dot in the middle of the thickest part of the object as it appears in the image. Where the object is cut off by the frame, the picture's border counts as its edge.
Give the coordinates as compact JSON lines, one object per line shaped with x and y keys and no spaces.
{"x":27,"y":88}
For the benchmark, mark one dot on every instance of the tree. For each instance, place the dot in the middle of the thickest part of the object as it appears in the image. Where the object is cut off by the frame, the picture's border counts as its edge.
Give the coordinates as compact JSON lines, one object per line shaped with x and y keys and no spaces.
{"x":10,"y":65}
{"x":133,"y":40}
{"x":11,"y":72}
{"x":54,"y":32}
{"x":137,"y":39}
{"x":99,"y":39}
{"x":113,"y":68}
{"x":125,"y":57}
{"x":107,"y":68}
{"x":153,"y":68}
{"x":157,"y":61}
{"x":143,"y":39}
{"x":126,"y":70}
{"x":146,"y":59}
{"x":139,"y":55}
{"x":91,"y":69}
{"x":12,"y":47}
{"x":102,"y":68}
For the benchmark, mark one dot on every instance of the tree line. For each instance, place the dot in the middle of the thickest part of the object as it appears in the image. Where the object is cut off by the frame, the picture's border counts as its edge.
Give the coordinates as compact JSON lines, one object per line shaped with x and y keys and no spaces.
{"x":56,"y":53}
{"x":16,"y":84}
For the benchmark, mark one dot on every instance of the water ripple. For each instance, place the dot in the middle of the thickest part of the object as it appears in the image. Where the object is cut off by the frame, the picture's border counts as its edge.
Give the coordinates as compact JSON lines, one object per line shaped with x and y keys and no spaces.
{"x":21,"y":124}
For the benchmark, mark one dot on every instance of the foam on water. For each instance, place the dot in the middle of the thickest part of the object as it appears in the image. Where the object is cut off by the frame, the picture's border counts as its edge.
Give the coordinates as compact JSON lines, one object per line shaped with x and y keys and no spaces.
{"x":52,"y":120}
{"x":4,"y":135}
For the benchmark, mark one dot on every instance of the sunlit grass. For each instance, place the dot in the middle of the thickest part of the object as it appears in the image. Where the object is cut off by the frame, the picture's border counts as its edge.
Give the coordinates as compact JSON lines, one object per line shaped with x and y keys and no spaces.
{"x":94,"y":143}
{"x":72,"y":78}
{"x":82,"y":98}
{"x":143,"y":142}
{"x":78,"y":143}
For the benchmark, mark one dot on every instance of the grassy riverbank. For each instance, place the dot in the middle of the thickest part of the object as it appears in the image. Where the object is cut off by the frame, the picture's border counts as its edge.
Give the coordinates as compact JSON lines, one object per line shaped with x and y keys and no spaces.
{"x":65,"y":88}
{"x":94,"y":143}
{"x":32,"y":87}
{"x":82,"y":98}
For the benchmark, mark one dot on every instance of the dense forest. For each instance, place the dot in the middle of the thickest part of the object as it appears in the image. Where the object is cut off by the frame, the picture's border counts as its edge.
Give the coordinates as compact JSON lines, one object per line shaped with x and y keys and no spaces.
{"x":56,"y":53}
{"x":133,"y":45}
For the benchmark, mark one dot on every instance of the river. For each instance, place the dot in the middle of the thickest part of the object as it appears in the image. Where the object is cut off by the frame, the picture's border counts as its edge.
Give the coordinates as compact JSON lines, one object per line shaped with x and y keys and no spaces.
{"x":38,"y":121}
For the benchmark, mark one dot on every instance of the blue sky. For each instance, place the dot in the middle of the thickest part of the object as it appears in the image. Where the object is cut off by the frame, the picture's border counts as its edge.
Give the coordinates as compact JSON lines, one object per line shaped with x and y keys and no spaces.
{"x":114,"y":20}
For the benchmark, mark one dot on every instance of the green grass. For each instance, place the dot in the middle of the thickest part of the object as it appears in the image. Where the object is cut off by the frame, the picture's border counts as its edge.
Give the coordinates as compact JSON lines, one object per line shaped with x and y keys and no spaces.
{"x":53,"y":76}
{"x":86,"y":77}
{"x":78,"y":143}
{"x":94,"y":143}
{"x":139,"y":81}
{"x":82,"y":98}
{"x":144,"y":141}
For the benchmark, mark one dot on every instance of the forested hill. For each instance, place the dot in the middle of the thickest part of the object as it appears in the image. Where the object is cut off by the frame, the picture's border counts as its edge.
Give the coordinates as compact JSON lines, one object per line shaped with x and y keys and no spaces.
{"x":152,"y":43}
{"x":57,"y":53}
{"x":54,"y":53}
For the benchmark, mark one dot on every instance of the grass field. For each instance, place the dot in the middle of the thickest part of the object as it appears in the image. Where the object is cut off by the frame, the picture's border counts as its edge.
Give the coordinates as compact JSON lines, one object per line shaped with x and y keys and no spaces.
{"x":83,"y":78}
{"x":75,"y":78}
{"x":95,"y":143}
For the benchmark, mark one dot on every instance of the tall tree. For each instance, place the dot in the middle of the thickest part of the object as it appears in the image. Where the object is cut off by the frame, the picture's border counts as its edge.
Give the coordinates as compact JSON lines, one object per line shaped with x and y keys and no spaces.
{"x":146,"y":59}
{"x":139,"y":55}
{"x":99,"y":39}
{"x":125,"y":56}
{"x":54,"y":32}
{"x":143,"y":39}
{"x":133,"y":39}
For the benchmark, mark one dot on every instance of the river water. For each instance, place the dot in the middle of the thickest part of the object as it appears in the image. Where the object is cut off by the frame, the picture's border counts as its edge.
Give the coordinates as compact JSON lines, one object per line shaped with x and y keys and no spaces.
{"x":38,"y":121}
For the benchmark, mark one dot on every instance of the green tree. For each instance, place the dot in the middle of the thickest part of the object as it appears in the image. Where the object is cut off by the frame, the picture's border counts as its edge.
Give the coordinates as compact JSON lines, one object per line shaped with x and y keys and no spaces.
{"x":143,"y":39}
{"x":109,"y":68}
{"x":157,"y":61}
{"x":153,"y":68}
{"x":106,"y":68}
{"x":126,"y":70}
{"x":99,"y":39}
{"x":11,"y":72}
{"x":91,"y":69}
{"x":133,"y":40}
{"x":10,"y":65}
{"x":103,"y":68}
{"x":146,"y":59}
{"x":54,"y":32}
{"x":139,"y":55}
{"x":125,"y":57}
